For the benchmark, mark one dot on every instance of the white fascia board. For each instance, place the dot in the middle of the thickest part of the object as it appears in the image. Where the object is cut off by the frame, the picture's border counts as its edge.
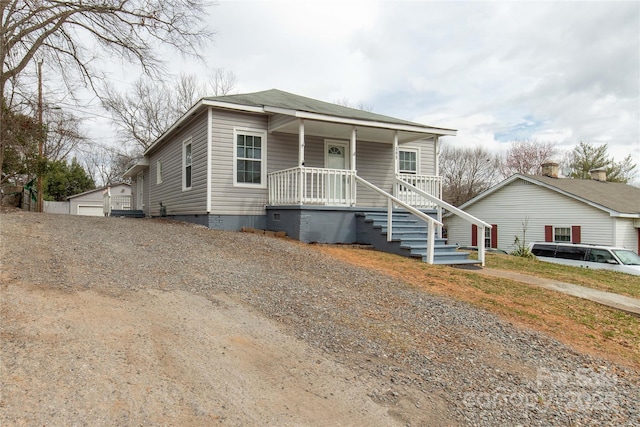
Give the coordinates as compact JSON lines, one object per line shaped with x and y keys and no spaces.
{"x":627,"y":215}
{"x":194,"y":110}
{"x":141,"y":165}
{"x":185,"y":117}
{"x":382,"y":125}
{"x":237,"y":107}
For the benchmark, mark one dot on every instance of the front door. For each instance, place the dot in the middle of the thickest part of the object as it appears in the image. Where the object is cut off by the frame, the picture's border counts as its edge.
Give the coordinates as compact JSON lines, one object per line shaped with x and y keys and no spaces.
{"x":139,"y":191}
{"x":335,"y":157}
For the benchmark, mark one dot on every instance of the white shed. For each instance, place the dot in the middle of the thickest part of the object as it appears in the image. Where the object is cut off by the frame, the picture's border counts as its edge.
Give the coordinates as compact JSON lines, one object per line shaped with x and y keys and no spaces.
{"x":90,"y":202}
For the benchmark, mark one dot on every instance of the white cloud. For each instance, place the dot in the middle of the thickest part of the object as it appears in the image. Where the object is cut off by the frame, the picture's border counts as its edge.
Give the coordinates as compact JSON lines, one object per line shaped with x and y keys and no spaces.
{"x":496,"y":71}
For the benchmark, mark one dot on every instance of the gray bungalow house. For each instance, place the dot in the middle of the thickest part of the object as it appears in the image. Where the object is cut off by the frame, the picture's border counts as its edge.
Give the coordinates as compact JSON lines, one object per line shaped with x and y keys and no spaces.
{"x":318,"y":171}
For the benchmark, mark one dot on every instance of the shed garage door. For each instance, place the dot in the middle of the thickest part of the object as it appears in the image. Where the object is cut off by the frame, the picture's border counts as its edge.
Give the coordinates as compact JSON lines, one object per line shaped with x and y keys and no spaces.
{"x":90,"y":210}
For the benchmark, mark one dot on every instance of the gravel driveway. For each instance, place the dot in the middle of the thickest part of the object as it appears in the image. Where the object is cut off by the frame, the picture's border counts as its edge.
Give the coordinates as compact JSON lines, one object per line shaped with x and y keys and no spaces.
{"x":109,"y":321}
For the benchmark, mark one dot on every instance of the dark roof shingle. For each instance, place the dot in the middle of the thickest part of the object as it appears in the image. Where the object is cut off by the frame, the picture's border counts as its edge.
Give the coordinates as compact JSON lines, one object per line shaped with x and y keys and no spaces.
{"x":615,"y":196}
{"x":281,"y":99}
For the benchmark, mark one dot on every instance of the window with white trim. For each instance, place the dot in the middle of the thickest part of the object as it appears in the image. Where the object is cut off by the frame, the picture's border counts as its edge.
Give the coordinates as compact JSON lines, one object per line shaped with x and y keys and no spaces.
{"x":408,"y":161}
{"x":487,"y":237}
{"x":249,"y":168}
{"x":159,"y":172}
{"x":187,"y":161}
{"x":562,"y":234}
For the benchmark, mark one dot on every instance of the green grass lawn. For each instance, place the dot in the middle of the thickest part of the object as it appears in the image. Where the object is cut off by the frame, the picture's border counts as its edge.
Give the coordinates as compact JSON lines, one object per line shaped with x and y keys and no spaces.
{"x":604,"y":280}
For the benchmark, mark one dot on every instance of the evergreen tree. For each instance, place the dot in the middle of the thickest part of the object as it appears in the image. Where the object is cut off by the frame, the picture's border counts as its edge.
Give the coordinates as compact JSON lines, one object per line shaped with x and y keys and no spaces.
{"x":586,"y":157}
{"x":63,"y":180}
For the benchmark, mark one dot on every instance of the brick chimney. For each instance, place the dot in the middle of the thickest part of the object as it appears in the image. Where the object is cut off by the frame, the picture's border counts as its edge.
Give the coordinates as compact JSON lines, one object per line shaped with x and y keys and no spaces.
{"x":550,"y":170}
{"x":599,"y":174}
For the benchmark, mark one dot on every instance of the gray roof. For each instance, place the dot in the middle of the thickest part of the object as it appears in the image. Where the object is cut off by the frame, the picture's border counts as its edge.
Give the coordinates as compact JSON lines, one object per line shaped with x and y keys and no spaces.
{"x":280,"y":99}
{"x":615,"y":196}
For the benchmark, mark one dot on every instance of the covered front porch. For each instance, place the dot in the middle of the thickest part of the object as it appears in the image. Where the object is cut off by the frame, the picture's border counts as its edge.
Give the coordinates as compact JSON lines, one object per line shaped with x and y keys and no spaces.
{"x":335,"y":203}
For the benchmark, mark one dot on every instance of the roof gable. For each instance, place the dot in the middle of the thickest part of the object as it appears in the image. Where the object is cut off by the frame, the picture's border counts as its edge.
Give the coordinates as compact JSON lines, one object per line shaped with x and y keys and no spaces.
{"x":614,"y":197}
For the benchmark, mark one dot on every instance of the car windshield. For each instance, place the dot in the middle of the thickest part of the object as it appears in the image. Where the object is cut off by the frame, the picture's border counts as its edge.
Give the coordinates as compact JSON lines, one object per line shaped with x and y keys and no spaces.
{"x":627,"y":257}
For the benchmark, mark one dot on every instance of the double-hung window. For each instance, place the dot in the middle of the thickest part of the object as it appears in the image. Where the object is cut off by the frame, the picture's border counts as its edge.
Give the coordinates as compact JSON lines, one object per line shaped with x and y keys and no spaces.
{"x":249,"y":158}
{"x":408,"y":161}
{"x":187,"y":160}
{"x":562,"y":234}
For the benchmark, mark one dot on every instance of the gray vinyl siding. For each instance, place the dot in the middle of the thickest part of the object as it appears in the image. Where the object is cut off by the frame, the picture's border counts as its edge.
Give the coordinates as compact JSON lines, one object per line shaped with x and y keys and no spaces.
{"x":227,"y":199}
{"x":374,"y":163}
{"x":512,"y":204}
{"x":169,"y":192}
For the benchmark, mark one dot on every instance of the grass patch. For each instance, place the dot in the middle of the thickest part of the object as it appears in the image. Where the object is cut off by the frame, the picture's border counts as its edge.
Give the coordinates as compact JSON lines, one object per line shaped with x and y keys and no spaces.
{"x":581,"y":324}
{"x":604,"y":280}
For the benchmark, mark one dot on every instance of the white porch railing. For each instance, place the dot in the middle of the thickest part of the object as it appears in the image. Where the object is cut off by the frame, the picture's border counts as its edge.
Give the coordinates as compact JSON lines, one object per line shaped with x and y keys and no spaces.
{"x":312,"y":186}
{"x":427,"y":183}
{"x":109,"y":202}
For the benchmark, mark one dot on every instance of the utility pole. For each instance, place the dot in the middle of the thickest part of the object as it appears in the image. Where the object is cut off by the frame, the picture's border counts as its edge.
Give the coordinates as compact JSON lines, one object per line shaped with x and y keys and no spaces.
{"x":40,"y":139}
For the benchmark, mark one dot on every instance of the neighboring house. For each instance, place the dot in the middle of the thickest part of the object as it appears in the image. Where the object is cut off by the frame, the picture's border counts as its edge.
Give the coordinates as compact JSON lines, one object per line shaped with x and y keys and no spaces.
{"x":554,"y":210}
{"x":278,"y":161}
{"x":91,"y":202}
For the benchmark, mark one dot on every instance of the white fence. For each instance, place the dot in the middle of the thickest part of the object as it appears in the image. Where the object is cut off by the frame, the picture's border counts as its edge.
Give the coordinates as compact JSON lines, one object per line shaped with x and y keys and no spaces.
{"x":56,"y":207}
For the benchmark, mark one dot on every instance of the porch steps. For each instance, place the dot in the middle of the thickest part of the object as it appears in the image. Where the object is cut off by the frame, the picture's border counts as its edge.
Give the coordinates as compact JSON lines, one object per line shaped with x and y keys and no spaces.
{"x":409,"y":238}
{"x":127,"y":213}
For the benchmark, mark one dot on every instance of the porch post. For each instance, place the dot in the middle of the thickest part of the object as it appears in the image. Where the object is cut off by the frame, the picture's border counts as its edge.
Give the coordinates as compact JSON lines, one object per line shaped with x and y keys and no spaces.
{"x":352,"y":148}
{"x":395,"y":163}
{"x":481,"y":244}
{"x":300,"y":142}
{"x":436,"y":152}
{"x":300,"y":160}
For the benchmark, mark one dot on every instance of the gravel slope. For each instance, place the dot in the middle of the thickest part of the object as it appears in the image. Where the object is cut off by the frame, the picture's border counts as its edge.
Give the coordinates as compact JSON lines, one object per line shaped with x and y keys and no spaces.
{"x":375,"y":348}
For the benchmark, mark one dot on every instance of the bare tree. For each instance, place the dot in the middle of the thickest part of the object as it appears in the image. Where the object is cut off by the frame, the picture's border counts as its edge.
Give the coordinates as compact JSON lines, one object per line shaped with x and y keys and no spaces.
{"x":65,"y":34}
{"x":527,"y":157}
{"x":221,"y":82}
{"x":361,"y":105}
{"x":466,"y":172}
{"x":63,"y":134}
{"x":144,"y":113}
{"x":106,"y":164}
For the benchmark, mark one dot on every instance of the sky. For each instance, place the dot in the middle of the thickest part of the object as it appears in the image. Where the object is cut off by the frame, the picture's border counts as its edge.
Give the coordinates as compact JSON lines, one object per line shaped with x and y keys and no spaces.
{"x":560,"y":72}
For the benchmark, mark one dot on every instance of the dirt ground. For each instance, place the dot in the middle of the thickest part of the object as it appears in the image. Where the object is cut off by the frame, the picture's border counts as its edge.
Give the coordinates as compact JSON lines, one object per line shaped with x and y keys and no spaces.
{"x":127,"y":352}
{"x":107,"y":321}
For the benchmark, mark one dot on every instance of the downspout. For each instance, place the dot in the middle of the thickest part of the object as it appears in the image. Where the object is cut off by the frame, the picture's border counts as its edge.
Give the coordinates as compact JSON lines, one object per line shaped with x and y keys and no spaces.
{"x":209,"y":149}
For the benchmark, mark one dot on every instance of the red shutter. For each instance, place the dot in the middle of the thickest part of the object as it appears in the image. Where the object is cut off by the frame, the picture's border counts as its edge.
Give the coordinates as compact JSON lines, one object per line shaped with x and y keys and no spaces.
{"x":639,"y":240}
{"x":494,"y":235}
{"x":548,"y":233}
{"x":575,"y":234}
{"x":474,"y":235}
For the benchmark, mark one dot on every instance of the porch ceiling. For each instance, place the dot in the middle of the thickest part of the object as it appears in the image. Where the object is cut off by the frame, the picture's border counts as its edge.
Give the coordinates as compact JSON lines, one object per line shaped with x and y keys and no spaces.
{"x":332,"y":130}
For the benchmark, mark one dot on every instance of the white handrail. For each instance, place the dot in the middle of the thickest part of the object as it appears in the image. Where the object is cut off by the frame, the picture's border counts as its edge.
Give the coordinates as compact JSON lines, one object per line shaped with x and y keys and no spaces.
{"x":430,"y":221}
{"x":462,"y":214}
